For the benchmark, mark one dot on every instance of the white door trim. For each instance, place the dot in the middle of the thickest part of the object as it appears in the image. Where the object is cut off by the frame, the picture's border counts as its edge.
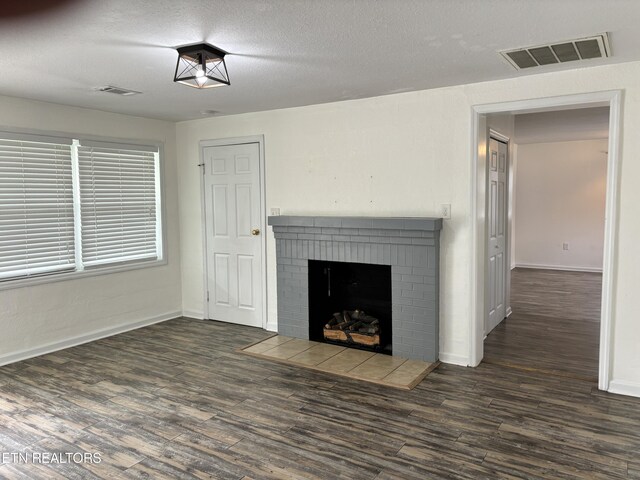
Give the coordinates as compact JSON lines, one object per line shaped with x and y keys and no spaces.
{"x":498,"y":136}
{"x":259,"y":139}
{"x":613,"y":99}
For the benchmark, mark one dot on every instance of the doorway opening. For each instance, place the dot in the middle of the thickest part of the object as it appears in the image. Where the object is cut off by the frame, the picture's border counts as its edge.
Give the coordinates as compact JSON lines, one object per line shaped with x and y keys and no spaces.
{"x":557,"y":207}
{"x":480,"y":201}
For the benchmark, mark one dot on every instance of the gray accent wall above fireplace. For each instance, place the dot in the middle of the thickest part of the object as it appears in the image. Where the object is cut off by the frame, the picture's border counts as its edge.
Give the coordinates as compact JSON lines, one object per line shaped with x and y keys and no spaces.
{"x":411,"y":246}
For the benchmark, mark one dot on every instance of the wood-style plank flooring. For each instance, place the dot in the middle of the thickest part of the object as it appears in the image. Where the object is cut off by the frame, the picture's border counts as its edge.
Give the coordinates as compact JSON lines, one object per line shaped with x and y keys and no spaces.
{"x":555,"y":324}
{"x":175,"y":400}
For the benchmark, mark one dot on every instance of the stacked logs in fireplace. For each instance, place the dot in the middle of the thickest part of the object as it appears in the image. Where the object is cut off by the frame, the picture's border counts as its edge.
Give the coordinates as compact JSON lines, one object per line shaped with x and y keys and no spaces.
{"x":353,"y":326}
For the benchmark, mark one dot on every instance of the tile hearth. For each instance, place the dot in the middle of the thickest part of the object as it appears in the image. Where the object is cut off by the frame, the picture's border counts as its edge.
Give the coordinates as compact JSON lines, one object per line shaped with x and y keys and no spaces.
{"x":391,"y":371}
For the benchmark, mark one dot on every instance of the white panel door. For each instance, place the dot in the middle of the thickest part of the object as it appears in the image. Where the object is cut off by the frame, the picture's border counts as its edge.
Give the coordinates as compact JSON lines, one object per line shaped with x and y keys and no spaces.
{"x":496,"y":231}
{"x":234,"y":229}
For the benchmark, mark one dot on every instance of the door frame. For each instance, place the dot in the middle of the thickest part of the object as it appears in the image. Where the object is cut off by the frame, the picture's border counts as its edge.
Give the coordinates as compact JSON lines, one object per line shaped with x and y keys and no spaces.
{"x":479,"y":139}
{"x":496,"y":135}
{"x":226,"y":142}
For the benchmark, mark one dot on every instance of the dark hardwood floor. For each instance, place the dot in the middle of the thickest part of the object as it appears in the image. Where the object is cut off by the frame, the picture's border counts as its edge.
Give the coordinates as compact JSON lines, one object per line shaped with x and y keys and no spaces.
{"x":175,"y":400}
{"x":555,"y":324}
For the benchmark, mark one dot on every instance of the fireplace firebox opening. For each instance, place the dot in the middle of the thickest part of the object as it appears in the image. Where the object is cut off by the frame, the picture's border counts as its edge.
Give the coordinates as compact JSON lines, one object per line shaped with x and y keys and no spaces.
{"x":350,"y":304}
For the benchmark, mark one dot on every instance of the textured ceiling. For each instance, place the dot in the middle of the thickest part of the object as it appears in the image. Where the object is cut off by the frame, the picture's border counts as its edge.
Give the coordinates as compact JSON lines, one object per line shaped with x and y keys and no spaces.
{"x":287,"y":52}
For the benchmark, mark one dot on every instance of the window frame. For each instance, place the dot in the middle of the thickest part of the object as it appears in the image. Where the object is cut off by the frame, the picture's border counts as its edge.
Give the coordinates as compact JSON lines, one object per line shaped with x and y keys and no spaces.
{"x":115,"y":267}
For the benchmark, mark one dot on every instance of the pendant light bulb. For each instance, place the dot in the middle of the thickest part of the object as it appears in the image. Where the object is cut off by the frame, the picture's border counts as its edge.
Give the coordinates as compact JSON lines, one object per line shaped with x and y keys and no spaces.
{"x":200,"y":77}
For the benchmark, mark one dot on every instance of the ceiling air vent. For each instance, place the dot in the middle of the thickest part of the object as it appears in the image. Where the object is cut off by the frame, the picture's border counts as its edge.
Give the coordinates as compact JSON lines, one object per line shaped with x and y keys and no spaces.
{"x":562,"y":52}
{"x":117,"y":90}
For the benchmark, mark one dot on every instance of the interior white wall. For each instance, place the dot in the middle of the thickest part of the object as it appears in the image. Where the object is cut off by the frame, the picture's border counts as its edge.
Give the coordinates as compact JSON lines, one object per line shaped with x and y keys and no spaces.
{"x":405,"y":154}
{"x":561,"y":198}
{"x":503,"y":123}
{"x":385,"y":156}
{"x":34,"y":318}
{"x":562,"y":125}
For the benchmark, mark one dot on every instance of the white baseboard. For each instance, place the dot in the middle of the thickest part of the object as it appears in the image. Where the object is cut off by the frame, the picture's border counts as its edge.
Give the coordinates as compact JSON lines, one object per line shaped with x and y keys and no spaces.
{"x":89,"y":337}
{"x":622,"y":387}
{"x":509,"y":312}
{"x":558,"y":267}
{"x":454,"y":359}
{"x":199,"y":314}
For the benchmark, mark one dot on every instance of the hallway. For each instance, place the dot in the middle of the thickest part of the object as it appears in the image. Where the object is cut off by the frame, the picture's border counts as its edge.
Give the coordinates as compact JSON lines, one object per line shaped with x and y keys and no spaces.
{"x":554,"y":327}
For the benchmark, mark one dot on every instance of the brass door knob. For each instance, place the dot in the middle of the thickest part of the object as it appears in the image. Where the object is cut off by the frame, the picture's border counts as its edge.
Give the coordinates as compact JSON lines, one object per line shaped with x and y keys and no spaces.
{"x":255,"y":231}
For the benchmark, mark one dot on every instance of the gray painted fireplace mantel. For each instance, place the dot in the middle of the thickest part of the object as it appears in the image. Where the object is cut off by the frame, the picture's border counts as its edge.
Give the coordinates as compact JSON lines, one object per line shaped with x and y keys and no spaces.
{"x":411,"y":246}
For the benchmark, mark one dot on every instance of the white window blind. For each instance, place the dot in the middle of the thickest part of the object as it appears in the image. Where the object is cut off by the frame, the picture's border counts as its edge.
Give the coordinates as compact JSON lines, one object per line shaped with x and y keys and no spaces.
{"x":36,"y":205}
{"x":118,"y":202}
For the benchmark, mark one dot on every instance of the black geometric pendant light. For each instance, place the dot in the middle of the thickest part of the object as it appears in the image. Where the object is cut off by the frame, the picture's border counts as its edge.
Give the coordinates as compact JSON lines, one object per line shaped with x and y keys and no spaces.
{"x":201,"y":66}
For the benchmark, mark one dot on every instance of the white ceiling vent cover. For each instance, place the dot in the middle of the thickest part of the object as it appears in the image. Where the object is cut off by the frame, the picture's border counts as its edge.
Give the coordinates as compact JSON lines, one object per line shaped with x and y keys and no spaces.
{"x":560,"y":52}
{"x":117,"y":90}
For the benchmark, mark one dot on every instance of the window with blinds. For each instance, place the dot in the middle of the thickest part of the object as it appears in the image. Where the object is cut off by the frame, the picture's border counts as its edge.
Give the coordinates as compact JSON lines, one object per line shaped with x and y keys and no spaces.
{"x":68,"y":205}
{"x":36,"y":206}
{"x":118,"y":203}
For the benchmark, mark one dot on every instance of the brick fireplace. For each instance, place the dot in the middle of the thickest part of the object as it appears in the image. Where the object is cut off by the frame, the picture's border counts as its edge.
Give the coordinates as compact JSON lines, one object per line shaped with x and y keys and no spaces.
{"x":410,"y":246}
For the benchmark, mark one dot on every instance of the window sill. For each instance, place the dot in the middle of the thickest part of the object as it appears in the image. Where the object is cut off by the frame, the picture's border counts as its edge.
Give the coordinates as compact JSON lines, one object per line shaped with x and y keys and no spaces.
{"x":90,"y":272}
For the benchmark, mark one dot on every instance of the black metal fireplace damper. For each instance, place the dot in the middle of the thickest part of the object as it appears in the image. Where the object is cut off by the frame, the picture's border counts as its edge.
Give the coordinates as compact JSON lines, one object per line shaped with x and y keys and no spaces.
{"x":345,"y":287}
